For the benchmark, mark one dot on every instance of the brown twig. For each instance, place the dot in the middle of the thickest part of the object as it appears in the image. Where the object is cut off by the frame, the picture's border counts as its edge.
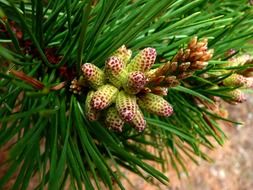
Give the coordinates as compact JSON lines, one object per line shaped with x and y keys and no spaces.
{"x":29,"y":80}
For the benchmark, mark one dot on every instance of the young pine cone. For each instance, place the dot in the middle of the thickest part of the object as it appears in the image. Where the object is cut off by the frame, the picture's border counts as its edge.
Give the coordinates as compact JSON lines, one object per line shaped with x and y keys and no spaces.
{"x":126,"y":106}
{"x":93,"y":75}
{"x":104,"y":97}
{"x":155,"y":104}
{"x":113,"y":120}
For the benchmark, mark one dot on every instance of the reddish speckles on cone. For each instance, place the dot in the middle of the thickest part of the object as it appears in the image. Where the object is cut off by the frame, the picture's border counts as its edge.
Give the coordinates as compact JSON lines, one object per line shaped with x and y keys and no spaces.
{"x":88,"y":70}
{"x":93,"y":75}
{"x":113,"y":120}
{"x":237,"y":96}
{"x":139,"y":122}
{"x":124,"y":54}
{"x":104,"y":97}
{"x":236,"y":80}
{"x":135,"y":82}
{"x":155,"y":104}
{"x":114,"y":70}
{"x":114,"y":65}
{"x":143,"y":61}
{"x":126,"y":106}
{"x":249,"y":83}
{"x":90,"y":112}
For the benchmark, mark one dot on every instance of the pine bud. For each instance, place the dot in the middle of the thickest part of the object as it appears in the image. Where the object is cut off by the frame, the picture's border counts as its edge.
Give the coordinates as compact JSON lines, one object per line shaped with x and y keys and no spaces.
{"x":249,"y":83}
{"x":198,"y":65}
{"x":237,"y":96}
{"x":201,"y":45}
{"x":156,"y":80}
{"x":197,"y":54}
{"x":173,"y":67}
{"x":193,"y":42}
{"x":184,"y":75}
{"x":241,"y":60}
{"x":91,"y":113}
{"x":145,"y":90}
{"x":161,"y":91}
{"x":104,"y":97}
{"x":135,"y":82}
{"x":139,"y":122}
{"x":207,"y":55}
{"x":163,"y":69}
{"x":113,"y":120}
{"x":93,"y":75}
{"x":126,"y":106}
{"x":184,"y":66}
{"x":114,"y":70}
{"x":143,"y":61}
{"x":155,"y":104}
{"x":151,"y":73}
{"x":171,"y":81}
{"x":75,"y":87}
{"x":235,"y":80}
{"x":124,"y":54}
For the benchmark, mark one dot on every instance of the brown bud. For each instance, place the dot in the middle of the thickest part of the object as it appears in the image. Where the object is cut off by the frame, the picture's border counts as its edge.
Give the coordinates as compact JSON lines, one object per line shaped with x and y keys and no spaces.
{"x":184,"y":75}
{"x":75,"y":87}
{"x":145,"y":90}
{"x":184,"y":66}
{"x":186,"y":55}
{"x":193,"y":42}
{"x":161,"y":91}
{"x":156,"y":80}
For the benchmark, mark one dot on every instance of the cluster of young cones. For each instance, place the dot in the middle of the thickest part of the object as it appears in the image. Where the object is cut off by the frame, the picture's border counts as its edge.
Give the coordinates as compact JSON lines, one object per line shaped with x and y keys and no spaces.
{"x":125,"y":86}
{"x":115,"y":91}
{"x":239,"y":79}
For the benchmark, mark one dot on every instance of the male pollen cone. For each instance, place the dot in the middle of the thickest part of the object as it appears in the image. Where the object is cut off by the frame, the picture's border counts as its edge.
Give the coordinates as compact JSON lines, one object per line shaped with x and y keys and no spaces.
{"x":113,"y":120}
{"x":126,"y":106}
{"x":155,"y":104}
{"x":143,"y":61}
{"x":93,"y":75}
{"x":104,"y":97}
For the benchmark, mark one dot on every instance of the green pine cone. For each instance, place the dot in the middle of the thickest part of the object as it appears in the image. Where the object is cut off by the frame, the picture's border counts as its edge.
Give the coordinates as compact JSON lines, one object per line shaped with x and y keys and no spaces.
{"x":237,"y":96}
{"x":139,"y":122}
{"x":113,"y":120}
{"x":240,"y":60}
{"x":124,"y":54}
{"x":143,"y":61}
{"x":91,"y":113}
{"x":155,"y":104}
{"x":104,"y":97}
{"x":126,"y":106}
{"x":93,"y":75}
{"x":235,"y":80}
{"x":135,"y":82}
{"x":114,"y":70}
